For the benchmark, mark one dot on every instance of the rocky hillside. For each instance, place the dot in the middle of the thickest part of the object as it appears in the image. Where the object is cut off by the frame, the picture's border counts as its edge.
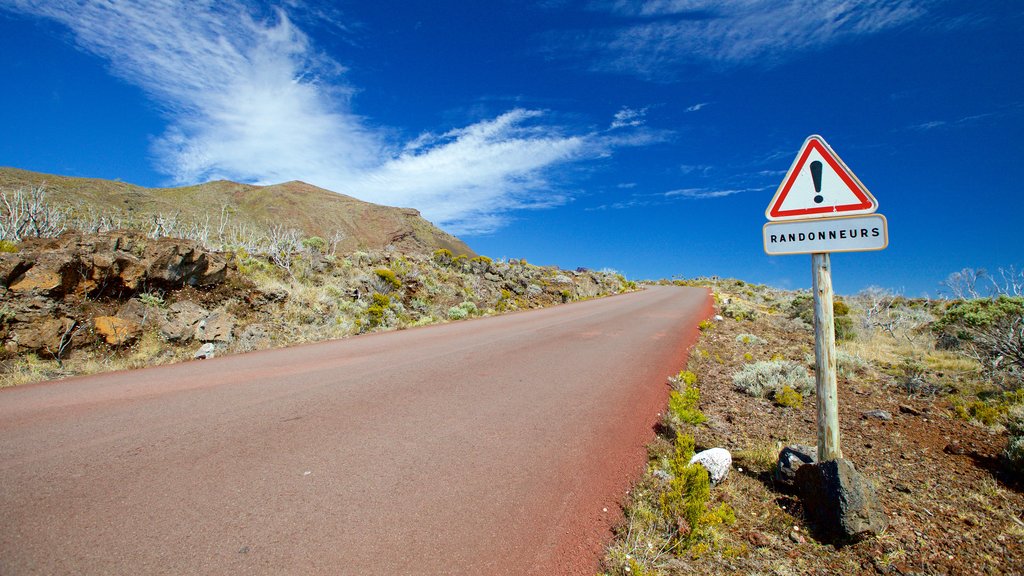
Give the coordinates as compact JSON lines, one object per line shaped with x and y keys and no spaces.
{"x":231,"y":209}
{"x":86,"y":302}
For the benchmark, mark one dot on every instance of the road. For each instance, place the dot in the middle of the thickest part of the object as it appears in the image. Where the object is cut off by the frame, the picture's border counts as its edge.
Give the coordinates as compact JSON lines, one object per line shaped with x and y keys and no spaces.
{"x":500,"y":445}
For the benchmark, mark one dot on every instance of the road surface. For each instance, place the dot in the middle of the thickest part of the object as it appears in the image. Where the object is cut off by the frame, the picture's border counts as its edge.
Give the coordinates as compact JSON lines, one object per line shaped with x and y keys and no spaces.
{"x":490,"y":446}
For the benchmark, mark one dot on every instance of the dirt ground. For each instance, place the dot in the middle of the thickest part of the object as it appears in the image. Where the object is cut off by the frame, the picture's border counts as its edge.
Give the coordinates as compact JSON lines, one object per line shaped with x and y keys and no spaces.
{"x":952,"y":509}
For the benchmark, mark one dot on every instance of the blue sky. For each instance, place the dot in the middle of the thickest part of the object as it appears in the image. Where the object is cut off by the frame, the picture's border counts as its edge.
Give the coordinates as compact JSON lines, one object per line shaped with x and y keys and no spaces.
{"x":644,"y":136}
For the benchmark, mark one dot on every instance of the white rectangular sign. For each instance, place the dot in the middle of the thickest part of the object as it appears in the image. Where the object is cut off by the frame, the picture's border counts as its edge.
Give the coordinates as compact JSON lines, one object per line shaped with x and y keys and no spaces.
{"x":845,"y":234}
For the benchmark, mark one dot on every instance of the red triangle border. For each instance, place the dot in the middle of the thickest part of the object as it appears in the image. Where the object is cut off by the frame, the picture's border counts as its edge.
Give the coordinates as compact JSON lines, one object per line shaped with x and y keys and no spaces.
{"x":839,"y":168}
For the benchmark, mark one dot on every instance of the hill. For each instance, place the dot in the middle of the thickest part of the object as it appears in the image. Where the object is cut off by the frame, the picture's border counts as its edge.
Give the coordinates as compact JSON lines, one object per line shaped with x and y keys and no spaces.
{"x":311,"y":210}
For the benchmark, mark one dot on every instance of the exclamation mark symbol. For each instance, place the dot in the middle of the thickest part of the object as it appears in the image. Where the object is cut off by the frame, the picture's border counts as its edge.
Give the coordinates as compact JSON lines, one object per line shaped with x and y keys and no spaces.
{"x":816,"y":176}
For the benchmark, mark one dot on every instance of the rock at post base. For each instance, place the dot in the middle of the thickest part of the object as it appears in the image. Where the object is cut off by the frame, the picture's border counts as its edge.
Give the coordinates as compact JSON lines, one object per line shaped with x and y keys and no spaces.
{"x":790,"y":459}
{"x":840,"y":501}
{"x":717,"y":461}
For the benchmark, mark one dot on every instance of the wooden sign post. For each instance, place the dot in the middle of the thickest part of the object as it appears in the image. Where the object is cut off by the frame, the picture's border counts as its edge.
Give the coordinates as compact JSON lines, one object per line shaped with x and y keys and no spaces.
{"x":822,"y":207}
{"x":825,"y":358}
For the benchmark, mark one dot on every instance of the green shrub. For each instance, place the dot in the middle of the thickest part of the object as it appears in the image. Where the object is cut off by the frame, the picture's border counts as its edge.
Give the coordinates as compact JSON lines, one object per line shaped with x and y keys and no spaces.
{"x":375,"y":313}
{"x":750,"y":339}
{"x":443,"y":256}
{"x":462,"y":311}
{"x":315,"y":244}
{"x":684,"y":407}
{"x":768,"y":377}
{"x":738,"y":311}
{"x":8,"y":246}
{"x":685,"y":379}
{"x":840,"y":308}
{"x":388,"y":276}
{"x":1014,"y":452}
{"x":789,"y":398}
{"x":986,"y":413}
{"x":705,"y":325}
{"x":844,"y":328}
{"x":991,"y":331}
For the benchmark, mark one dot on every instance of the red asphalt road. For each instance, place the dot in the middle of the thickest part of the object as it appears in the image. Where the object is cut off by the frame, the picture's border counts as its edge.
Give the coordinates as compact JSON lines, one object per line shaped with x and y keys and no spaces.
{"x":483,"y":447}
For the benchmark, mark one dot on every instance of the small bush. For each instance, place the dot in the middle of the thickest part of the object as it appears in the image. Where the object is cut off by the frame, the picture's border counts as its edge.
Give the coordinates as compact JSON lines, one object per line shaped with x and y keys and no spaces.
{"x":844,"y":328}
{"x":389,"y":277}
{"x":684,"y":407}
{"x":789,"y":398}
{"x":738,"y":311}
{"x":705,"y":325}
{"x":750,"y":339}
{"x":315,"y":244}
{"x":766,"y":378}
{"x":8,"y":246}
{"x":685,"y":379}
{"x":443,"y":256}
{"x":840,"y":308}
{"x":847,"y":363}
{"x":991,"y":331}
{"x":1014,"y":452}
{"x":462,"y":311}
{"x":375,"y":313}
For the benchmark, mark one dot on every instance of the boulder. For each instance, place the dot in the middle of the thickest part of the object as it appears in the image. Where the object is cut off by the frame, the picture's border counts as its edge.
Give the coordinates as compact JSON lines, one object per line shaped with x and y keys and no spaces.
{"x":42,"y":335}
{"x":205,"y":351}
{"x":116,"y":331}
{"x":182,"y":262}
{"x":181,"y":321}
{"x":790,"y":459}
{"x":877,"y":415}
{"x":840,"y":501}
{"x":717,"y":461}
{"x":217,"y":327}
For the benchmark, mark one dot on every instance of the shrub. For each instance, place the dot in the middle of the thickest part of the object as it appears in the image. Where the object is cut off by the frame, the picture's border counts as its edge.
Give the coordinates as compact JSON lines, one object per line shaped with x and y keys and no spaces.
{"x":315,"y":244}
{"x":989,"y":330}
{"x":768,"y":377}
{"x":847,"y":363}
{"x":685,"y":378}
{"x":840,"y":308}
{"x":462,"y":311}
{"x":705,"y":325}
{"x":376,"y":311}
{"x":844,"y":328}
{"x":389,"y":277}
{"x":8,"y":246}
{"x":750,"y":339}
{"x":1014,"y":452}
{"x":443,"y":256}
{"x":684,"y":407}
{"x":789,"y":398}
{"x":738,"y":311}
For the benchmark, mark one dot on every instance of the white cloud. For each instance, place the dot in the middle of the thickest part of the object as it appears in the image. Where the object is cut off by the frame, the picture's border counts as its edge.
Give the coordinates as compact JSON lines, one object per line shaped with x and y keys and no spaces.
{"x":673,"y":32}
{"x":628,"y":118}
{"x":696,"y":107}
{"x":247,"y":97}
{"x":705,"y":193}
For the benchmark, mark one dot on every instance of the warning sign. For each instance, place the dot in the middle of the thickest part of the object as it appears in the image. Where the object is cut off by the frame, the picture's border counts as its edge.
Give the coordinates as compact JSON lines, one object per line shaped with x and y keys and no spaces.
{"x":819,"y":185}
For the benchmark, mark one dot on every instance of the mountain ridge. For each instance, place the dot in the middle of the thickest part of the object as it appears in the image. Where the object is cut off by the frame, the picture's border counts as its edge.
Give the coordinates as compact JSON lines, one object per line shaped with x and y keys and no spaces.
{"x":312,"y":210}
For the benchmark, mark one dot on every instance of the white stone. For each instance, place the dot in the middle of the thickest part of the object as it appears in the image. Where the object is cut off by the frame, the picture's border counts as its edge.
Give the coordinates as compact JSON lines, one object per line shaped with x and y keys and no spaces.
{"x":205,"y":351}
{"x":717,"y":461}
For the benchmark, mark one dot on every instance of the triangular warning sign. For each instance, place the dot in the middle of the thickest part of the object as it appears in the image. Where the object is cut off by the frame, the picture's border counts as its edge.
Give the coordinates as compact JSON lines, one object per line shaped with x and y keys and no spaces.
{"x":819,"y":185}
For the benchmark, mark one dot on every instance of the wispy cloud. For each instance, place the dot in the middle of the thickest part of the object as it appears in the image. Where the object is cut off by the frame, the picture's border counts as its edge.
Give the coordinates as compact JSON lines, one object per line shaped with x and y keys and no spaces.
{"x":697,"y":107}
{"x":659,"y":35}
{"x":248,"y":97}
{"x":706,"y":193}
{"x":970,"y":119}
{"x":628,"y":118}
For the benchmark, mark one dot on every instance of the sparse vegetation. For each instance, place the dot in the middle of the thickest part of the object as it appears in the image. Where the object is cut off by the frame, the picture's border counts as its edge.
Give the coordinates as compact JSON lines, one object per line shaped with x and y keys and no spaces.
{"x":769,"y":377}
